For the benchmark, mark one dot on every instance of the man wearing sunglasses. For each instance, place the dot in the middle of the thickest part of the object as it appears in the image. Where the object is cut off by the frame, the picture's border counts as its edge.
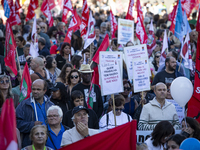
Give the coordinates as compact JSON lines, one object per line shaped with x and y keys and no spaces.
{"x":108,"y":122}
{"x":93,"y":93}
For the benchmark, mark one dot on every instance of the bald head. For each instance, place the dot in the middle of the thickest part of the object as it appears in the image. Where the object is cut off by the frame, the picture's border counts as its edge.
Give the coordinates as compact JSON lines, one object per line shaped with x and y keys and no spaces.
{"x":39,"y":61}
{"x":40,"y":82}
{"x":160,"y":90}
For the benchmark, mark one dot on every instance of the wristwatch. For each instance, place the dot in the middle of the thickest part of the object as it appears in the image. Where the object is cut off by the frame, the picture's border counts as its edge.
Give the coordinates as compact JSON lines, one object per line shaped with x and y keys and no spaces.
{"x":87,"y":136}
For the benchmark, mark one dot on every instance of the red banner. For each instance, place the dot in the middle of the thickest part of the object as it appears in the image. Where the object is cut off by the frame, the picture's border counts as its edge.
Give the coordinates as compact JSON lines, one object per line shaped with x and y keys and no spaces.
{"x":129,"y":14}
{"x":85,"y":18}
{"x":114,"y":25}
{"x":46,"y":11}
{"x":32,"y":6}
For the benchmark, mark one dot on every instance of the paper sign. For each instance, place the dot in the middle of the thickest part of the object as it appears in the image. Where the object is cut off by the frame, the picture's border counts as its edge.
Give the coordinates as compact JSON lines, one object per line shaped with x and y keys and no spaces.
{"x":125,"y":31}
{"x":110,"y":73}
{"x":134,"y":52}
{"x":141,"y":80}
{"x":179,"y":109}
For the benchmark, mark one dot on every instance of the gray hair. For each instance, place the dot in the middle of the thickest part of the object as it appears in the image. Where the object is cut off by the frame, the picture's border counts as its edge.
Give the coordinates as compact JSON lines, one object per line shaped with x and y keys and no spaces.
{"x":54,"y":107}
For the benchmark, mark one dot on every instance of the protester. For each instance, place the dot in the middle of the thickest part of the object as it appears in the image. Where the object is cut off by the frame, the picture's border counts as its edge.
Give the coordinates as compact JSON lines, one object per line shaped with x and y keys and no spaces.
{"x":59,"y":97}
{"x":81,"y":130}
{"x":6,"y":89}
{"x":51,"y":68}
{"x":73,"y":79}
{"x":84,"y":87}
{"x":108,"y":122}
{"x":22,"y":58}
{"x":175,"y":141}
{"x":161,"y":133}
{"x":77,"y":61}
{"x":37,"y":65}
{"x":20,"y":44}
{"x":43,"y":50}
{"x":155,"y":63}
{"x":45,"y":36}
{"x":64,"y":56}
{"x":157,"y":110}
{"x":52,"y":33}
{"x":77,"y":99}
{"x":16,"y":90}
{"x":32,"y":111}
{"x":55,"y":127}
{"x":192,"y":129}
{"x":38,"y":136}
{"x":66,"y":69}
{"x":2,"y":65}
{"x":76,"y":41}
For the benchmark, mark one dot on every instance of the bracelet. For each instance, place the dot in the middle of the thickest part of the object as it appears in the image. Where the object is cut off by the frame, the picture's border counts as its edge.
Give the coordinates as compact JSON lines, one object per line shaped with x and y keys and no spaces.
{"x":87,"y":136}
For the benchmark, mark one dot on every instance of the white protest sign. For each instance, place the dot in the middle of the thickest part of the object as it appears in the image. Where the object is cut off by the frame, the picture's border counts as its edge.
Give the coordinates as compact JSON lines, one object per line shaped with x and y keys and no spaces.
{"x":125,"y":31}
{"x":142,"y":136}
{"x":134,"y":52}
{"x":179,"y":109}
{"x":110,"y":73}
{"x":141,"y":80}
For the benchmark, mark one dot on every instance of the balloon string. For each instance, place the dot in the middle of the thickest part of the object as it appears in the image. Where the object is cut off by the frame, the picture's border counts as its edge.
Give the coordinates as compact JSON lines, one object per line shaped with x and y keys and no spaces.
{"x":185,"y":117}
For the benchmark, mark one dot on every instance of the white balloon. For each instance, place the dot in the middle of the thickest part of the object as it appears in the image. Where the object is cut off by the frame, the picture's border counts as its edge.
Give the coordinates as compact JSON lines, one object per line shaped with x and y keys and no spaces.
{"x":181,"y":90}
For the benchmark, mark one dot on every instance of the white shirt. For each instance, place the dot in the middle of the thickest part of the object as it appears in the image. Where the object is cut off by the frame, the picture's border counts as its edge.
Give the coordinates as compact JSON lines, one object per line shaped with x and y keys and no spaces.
{"x":150,"y":145}
{"x":72,"y":135}
{"x":122,"y":119}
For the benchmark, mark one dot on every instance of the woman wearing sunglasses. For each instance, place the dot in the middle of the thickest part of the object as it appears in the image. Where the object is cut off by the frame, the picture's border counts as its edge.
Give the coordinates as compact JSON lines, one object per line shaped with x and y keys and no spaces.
{"x":107,"y":121}
{"x":155,"y":62}
{"x":6,"y":89}
{"x":72,"y":79}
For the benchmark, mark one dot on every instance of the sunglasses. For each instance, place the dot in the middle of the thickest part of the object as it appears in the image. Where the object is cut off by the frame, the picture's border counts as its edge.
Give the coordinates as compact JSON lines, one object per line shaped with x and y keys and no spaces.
{"x":127,"y":88}
{"x":38,"y":28}
{"x":157,"y":56}
{"x":72,"y":77}
{"x":118,"y":109}
{"x":2,"y":81}
{"x":42,"y":27}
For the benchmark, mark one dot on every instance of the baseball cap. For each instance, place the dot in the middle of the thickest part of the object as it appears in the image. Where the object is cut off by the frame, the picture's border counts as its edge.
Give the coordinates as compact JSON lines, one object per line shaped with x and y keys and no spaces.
{"x":57,"y":86}
{"x":79,"y":108}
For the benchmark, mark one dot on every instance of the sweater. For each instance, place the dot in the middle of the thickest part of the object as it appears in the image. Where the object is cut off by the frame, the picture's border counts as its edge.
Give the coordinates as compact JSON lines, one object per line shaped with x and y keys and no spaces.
{"x":152,"y":114}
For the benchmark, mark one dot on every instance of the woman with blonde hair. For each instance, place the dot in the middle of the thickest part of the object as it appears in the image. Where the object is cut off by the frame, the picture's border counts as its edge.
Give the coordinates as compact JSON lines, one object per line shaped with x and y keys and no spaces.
{"x":38,"y":136}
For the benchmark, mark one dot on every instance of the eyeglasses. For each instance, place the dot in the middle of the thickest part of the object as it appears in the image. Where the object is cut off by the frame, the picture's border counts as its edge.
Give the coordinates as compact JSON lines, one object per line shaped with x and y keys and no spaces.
{"x":38,"y":28}
{"x":52,"y":116}
{"x":127,"y":88}
{"x":2,"y":81}
{"x":119,"y":109}
{"x":72,"y":77}
{"x":157,"y":56}
{"x":42,"y":27}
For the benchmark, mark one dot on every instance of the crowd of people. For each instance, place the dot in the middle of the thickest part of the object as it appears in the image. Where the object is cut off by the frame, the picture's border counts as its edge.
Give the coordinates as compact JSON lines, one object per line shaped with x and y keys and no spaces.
{"x":57,"y":113}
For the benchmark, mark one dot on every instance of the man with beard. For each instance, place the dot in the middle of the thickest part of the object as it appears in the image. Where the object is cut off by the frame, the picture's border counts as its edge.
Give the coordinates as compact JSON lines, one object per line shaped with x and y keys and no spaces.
{"x":157,"y":110}
{"x":81,"y":130}
{"x":93,"y":93}
{"x":167,"y":75}
{"x":32,"y":111}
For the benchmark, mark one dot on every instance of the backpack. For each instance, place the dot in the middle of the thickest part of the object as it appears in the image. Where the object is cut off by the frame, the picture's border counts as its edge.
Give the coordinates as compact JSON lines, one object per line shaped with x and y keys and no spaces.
{"x":49,"y":84}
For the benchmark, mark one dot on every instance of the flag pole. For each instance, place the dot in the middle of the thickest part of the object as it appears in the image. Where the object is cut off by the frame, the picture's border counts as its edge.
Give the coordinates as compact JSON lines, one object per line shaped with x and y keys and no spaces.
{"x":90,"y":52}
{"x":112,"y":96}
{"x":180,"y":64}
{"x":18,"y":64}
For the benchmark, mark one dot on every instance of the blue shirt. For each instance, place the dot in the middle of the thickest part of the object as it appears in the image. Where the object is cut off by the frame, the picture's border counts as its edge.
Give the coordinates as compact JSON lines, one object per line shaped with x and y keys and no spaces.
{"x":41,"y":113}
{"x":56,"y":138}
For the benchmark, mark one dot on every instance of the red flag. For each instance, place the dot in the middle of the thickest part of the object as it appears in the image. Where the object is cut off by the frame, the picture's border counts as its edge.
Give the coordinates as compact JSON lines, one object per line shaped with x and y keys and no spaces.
{"x":10,"y":47}
{"x":96,"y":76}
{"x":17,"y":8}
{"x":32,"y":6}
{"x":188,"y":6}
{"x":25,"y":86}
{"x":103,"y":47}
{"x":46,"y":11}
{"x":85,"y":18}
{"x":90,"y":99}
{"x":172,"y":17}
{"x":14,"y":18}
{"x":198,"y":22}
{"x":129,"y":14}
{"x":74,"y":23}
{"x":66,"y":8}
{"x":114,"y":25}
{"x":121,"y":137}
{"x":51,"y":4}
{"x":194,"y":102}
{"x":140,"y":30}
{"x":8,"y":140}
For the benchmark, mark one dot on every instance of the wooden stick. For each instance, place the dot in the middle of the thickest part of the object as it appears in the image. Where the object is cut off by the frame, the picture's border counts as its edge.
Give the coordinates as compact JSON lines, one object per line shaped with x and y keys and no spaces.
{"x":180,"y":64}
{"x":91,"y":63}
{"x":112,"y":96}
{"x":18,"y":64}
{"x":90,"y":52}
{"x":142,"y":97}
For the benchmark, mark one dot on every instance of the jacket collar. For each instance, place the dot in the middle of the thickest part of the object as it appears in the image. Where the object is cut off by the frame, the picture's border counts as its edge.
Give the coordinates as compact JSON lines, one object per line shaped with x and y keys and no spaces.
{"x":156,"y":103}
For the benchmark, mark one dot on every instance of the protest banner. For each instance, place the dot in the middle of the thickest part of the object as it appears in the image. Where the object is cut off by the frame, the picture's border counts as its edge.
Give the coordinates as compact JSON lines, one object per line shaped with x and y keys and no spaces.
{"x":179,"y":109}
{"x":110,"y":71}
{"x":134,"y":52}
{"x":141,"y":79}
{"x":125,"y":31}
{"x":142,"y":136}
